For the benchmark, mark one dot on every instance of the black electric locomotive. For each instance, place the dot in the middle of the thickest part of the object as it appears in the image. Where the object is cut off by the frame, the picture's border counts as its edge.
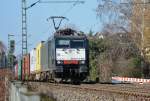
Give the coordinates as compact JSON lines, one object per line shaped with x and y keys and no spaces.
{"x":66,"y":56}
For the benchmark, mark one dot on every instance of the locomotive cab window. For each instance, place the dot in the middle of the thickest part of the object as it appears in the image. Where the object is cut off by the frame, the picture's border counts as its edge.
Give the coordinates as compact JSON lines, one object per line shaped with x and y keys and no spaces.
{"x":77,"y":44}
{"x":63,"y":43}
{"x":66,"y":43}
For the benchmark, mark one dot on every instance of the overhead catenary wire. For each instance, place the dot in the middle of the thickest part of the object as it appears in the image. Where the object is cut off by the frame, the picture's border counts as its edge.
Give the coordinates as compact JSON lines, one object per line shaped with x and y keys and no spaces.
{"x":70,"y":8}
{"x":61,"y":1}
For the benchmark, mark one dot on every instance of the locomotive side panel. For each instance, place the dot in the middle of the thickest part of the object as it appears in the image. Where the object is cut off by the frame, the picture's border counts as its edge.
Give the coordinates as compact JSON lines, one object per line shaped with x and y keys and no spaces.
{"x":44,"y":57}
{"x":51,"y":54}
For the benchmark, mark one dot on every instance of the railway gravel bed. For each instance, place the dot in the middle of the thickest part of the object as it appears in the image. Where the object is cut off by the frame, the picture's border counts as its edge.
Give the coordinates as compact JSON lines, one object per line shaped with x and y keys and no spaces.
{"x":93,"y":92}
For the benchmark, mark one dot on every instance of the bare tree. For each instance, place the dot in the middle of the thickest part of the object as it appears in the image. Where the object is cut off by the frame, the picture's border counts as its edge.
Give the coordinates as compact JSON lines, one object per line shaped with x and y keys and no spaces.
{"x":128,"y":16}
{"x":115,"y":13}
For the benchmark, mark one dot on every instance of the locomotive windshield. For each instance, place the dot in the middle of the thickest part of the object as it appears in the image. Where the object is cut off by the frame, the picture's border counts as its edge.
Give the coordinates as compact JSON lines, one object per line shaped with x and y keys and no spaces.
{"x":65,"y":43}
{"x":77,"y":43}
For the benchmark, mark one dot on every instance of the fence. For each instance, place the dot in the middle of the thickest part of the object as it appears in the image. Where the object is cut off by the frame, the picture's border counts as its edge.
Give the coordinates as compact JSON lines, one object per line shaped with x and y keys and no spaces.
{"x":131,"y":80}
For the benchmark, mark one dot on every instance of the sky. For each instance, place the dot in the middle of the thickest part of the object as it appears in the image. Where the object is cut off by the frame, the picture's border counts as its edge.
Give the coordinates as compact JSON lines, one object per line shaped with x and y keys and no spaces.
{"x":82,"y":16}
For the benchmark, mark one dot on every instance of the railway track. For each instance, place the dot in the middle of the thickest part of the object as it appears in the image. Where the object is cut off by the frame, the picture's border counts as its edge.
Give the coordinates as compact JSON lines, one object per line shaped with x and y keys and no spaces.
{"x":123,"y":89}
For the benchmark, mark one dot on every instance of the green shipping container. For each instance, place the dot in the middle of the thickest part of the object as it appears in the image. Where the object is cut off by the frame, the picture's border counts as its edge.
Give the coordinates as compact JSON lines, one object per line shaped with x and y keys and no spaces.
{"x":20,"y":70}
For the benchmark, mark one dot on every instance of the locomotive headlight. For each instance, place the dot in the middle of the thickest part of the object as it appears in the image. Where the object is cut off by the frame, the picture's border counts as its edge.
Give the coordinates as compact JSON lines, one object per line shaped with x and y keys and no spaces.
{"x":82,"y":62}
{"x":58,"y":62}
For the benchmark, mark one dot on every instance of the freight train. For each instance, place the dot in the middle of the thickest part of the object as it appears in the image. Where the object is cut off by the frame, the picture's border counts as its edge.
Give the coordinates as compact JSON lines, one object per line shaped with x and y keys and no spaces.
{"x":63,"y":57}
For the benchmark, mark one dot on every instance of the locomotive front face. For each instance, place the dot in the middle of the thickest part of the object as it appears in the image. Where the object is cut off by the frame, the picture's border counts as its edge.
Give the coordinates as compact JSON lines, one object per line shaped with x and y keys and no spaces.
{"x":71,"y":57}
{"x":70,"y":51}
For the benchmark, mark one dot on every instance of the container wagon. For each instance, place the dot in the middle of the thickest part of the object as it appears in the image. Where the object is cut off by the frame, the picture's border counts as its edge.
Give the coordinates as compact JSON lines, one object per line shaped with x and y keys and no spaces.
{"x":32,"y":64}
{"x":16,"y":71}
{"x":26,"y":67}
{"x":38,"y":66}
{"x":20,"y":69}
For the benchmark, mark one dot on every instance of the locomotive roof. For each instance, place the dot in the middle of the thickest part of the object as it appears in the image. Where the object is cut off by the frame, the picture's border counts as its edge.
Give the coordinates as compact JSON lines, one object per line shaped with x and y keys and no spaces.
{"x":67,"y":33}
{"x":71,"y":37}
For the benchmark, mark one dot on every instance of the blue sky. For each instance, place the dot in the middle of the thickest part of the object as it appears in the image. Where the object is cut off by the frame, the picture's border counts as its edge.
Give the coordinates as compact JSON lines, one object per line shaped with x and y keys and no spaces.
{"x":82,"y":16}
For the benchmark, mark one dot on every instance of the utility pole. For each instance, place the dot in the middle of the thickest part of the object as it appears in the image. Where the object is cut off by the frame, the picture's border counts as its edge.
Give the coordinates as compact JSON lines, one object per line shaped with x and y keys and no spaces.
{"x":24,"y":28}
{"x":24,"y":20}
{"x":57,"y":17}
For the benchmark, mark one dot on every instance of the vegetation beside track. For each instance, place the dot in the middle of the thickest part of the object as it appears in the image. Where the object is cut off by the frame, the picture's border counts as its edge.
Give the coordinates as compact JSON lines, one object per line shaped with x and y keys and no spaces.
{"x":113,"y":55}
